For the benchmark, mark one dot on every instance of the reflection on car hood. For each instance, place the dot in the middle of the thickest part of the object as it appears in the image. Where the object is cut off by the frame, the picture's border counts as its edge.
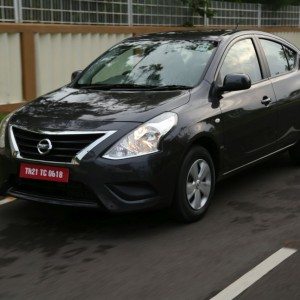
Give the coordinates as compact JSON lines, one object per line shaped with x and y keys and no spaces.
{"x":64,"y":107}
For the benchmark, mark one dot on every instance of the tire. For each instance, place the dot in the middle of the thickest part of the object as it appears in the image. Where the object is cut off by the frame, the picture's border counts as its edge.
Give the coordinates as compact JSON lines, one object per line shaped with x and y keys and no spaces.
{"x":189,"y":206}
{"x":295,"y":153}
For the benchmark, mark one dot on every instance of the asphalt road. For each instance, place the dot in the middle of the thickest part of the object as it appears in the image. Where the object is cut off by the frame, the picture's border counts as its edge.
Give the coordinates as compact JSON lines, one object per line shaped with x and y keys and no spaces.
{"x":49,"y":252}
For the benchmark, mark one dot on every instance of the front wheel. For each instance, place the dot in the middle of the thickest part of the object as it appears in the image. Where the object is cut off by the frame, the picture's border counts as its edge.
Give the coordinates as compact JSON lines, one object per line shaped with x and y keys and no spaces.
{"x":195,"y":187}
{"x":295,"y":153}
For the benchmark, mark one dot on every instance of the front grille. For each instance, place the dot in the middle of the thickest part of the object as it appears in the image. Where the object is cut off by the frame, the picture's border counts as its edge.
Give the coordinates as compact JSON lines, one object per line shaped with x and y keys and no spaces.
{"x":73,"y":192}
{"x":65,"y":146}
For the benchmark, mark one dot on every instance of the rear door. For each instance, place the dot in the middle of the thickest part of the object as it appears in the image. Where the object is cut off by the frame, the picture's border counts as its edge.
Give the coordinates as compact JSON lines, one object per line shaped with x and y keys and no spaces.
{"x":249,"y":117}
{"x":284,"y":74}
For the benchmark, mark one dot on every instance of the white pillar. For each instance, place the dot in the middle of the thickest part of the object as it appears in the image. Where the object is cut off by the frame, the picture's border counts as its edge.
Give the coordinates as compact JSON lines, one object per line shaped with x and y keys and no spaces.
{"x":206,"y":20}
{"x":259,"y":15}
{"x":18,"y":11}
{"x":129,"y":10}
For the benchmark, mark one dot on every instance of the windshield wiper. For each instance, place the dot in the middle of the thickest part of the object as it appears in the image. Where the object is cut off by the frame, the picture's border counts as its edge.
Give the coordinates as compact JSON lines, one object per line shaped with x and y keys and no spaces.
{"x":105,"y":86}
{"x":116,"y":86}
{"x":172,"y":87}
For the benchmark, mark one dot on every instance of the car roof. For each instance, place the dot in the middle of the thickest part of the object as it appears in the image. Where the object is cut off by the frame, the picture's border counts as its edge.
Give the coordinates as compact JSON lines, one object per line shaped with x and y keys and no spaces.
{"x":184,"y":35}
{"x":212,"y":35}
{"x":197,"y":34}
{"x":200,"y":34}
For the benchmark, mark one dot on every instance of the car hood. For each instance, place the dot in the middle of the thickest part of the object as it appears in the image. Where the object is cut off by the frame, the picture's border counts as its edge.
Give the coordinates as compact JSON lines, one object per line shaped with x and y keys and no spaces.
{"x":69,"y":108}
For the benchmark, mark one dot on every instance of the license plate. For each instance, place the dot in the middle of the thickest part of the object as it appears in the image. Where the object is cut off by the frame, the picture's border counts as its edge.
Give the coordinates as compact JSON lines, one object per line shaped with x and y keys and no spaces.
{"x":41,"y":172}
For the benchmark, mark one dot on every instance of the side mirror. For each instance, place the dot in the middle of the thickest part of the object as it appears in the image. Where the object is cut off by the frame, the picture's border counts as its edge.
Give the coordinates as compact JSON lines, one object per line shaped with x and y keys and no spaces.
{"x":236,"y":82}
{"x":75,"y":74}
{"x":232,"y":82}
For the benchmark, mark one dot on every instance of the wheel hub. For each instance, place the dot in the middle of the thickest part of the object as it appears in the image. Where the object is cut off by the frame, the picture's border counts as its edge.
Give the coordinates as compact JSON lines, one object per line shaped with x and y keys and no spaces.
{"x":198,"y":184}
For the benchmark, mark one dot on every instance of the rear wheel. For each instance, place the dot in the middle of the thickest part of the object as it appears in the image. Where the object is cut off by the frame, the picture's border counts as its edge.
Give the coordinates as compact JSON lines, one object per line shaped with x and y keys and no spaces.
{"x":295,"y":153}
{"x":195,"y":187}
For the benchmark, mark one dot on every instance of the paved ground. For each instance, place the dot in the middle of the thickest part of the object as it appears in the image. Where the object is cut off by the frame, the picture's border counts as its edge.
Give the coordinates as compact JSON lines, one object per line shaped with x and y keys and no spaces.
{"x":49,"y":252}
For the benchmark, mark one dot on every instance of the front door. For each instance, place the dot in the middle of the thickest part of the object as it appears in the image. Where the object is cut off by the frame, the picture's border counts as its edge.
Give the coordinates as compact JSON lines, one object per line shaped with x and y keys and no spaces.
{"x":249,"y":117}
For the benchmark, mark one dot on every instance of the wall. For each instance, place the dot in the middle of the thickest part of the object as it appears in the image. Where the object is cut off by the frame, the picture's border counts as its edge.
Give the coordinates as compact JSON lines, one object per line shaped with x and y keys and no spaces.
{"x":10,"y":68}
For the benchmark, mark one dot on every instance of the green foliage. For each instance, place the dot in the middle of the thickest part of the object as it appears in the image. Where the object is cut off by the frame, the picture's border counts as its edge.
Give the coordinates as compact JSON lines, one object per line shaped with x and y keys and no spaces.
{"x":1,"y":117}
{"x":271,"y":4}
{"x":202,"y":7}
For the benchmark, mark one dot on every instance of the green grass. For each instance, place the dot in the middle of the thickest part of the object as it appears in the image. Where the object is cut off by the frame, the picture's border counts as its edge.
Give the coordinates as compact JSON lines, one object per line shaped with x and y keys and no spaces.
{"x":1,"y":117}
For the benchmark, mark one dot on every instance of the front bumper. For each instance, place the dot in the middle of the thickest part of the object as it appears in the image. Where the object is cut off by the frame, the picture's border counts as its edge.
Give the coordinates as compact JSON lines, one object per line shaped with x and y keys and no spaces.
{"x":116,"y":185}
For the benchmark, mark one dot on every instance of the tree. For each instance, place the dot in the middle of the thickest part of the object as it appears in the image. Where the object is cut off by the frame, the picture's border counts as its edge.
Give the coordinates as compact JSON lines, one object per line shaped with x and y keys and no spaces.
{"x":272,"y":4}
{"x":202,"y":7}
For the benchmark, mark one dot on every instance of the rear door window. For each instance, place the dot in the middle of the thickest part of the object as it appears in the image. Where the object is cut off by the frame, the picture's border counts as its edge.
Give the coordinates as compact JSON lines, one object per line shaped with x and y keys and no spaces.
{"x":291,"y":56}
{"x":276,"y":57}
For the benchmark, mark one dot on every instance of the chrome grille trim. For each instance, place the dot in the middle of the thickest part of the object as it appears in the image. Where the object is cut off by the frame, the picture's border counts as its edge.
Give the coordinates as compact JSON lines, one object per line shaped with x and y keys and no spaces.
{"x":76,"y":159}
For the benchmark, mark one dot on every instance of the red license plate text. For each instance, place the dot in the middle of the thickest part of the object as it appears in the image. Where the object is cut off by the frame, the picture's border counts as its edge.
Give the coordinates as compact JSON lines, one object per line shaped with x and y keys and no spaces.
{"x":41,"y":172}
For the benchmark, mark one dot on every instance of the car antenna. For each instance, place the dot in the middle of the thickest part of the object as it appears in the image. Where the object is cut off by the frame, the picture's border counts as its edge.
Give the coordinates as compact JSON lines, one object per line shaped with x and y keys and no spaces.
{"x":236,"y":27}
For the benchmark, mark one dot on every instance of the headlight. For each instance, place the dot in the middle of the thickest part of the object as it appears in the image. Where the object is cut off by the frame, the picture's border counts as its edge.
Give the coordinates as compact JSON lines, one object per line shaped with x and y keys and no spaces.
{"x":3,"y":126}
{"x":144,"y":139}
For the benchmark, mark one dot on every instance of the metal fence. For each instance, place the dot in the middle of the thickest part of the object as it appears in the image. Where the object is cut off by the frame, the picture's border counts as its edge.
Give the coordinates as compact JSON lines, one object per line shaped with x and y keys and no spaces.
{"x":143,"y":12}
{"x":7,"y":11}
{"x":74,"y":11}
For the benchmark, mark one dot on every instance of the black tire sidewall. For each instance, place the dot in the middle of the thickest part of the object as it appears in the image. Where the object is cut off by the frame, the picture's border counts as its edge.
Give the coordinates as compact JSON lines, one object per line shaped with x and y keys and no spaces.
{"x":182,"y":208}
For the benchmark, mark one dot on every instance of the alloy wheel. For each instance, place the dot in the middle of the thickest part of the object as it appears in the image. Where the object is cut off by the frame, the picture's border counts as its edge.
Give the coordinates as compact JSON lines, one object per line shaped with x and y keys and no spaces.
{"x":198,"y":184}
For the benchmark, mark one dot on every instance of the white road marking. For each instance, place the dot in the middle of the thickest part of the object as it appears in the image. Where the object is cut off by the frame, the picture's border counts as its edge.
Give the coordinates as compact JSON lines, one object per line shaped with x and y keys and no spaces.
{"x":240,"y":285}
{"x":7,"y":200}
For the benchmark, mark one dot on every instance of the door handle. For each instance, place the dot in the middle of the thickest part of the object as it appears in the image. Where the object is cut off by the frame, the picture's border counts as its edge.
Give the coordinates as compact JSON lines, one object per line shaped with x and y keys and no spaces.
{"x":266,"y":101}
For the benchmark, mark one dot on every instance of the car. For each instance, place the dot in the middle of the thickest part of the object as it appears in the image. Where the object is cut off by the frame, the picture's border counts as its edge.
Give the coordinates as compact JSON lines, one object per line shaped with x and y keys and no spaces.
{"x":155,"y":122}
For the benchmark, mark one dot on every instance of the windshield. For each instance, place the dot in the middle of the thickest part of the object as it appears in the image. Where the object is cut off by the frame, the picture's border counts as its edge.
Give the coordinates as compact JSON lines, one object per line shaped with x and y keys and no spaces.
{"x":150,"y":63}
